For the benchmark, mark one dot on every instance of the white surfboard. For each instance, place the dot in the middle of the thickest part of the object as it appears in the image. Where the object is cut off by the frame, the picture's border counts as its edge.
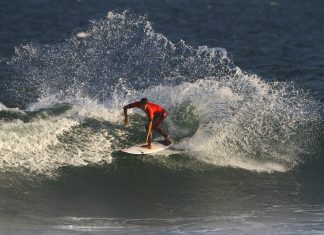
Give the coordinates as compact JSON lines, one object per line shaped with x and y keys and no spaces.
{"x":157,"y":146}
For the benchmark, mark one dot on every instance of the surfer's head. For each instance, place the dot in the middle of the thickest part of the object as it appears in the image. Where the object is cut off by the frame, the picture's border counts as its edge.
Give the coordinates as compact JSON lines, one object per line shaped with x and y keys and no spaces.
{"x":144,"y":102}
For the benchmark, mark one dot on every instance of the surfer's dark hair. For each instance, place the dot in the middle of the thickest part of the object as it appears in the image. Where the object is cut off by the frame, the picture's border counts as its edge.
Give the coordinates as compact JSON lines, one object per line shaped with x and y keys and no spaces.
{"x":144,"y":101}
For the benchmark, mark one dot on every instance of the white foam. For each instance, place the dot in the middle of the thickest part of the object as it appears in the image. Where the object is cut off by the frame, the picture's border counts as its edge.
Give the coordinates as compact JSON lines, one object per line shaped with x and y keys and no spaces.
{"x":43,"y":145}
{"x":82,"y":107}
{"x":5,"y":108}
{"x":2,"y":107}
{"x":82,"y":34}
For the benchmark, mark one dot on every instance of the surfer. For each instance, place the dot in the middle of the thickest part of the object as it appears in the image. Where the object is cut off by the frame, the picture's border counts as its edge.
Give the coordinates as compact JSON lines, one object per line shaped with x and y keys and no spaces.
{"x":155,"y":114}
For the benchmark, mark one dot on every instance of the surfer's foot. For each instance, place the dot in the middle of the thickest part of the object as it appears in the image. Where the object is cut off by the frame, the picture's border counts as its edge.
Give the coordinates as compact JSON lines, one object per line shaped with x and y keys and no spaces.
{"x":168,"y":139}
{"x":149,"y":146}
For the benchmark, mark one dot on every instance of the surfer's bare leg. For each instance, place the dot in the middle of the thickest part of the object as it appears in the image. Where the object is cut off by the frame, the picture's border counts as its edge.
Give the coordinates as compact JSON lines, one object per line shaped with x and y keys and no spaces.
{"x":160,"y":118}
{"x":166,"y":136}
{"x":161,"y":132}
{"x":150,"y":141}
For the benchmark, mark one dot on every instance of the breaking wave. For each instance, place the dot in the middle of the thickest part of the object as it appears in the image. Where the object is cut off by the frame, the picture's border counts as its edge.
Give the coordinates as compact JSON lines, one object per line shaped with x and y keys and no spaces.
{"x":74,"y":91}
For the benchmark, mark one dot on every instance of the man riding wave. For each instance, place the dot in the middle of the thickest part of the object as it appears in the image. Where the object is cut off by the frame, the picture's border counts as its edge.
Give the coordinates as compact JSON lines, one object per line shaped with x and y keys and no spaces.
{"x":155,"y":114}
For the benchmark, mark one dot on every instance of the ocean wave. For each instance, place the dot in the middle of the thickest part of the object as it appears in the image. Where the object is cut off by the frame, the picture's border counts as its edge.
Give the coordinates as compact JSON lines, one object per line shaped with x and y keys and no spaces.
{"x":218,"y":114}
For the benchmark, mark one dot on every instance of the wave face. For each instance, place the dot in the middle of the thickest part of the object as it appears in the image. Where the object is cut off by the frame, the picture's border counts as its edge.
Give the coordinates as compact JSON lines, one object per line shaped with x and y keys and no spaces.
{"x":220,"y":115}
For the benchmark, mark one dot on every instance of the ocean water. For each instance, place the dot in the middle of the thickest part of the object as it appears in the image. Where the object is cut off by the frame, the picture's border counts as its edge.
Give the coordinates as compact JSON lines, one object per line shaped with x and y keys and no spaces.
{"x":242,"y":82}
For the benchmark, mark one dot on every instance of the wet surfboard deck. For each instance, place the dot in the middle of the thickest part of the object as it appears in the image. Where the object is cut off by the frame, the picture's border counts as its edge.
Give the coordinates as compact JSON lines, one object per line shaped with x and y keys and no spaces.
{"x":157,"y":146}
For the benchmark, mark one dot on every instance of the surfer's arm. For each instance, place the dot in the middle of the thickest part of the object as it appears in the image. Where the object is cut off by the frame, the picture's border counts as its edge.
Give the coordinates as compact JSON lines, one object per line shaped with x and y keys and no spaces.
{"x":126,"y":116}
{"x":130,"y":106}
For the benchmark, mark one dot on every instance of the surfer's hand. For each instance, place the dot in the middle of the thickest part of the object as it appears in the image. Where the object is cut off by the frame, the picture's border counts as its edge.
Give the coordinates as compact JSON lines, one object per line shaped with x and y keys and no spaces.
{"x":126,"y":122}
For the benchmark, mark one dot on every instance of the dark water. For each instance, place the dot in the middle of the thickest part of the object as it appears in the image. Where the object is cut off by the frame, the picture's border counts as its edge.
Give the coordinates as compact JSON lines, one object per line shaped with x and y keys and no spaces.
{"x":242,"y":81}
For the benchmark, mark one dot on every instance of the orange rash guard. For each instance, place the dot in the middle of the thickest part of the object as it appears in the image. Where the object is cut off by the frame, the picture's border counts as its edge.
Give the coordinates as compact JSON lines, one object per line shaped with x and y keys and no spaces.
{"x":151,"y":109}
